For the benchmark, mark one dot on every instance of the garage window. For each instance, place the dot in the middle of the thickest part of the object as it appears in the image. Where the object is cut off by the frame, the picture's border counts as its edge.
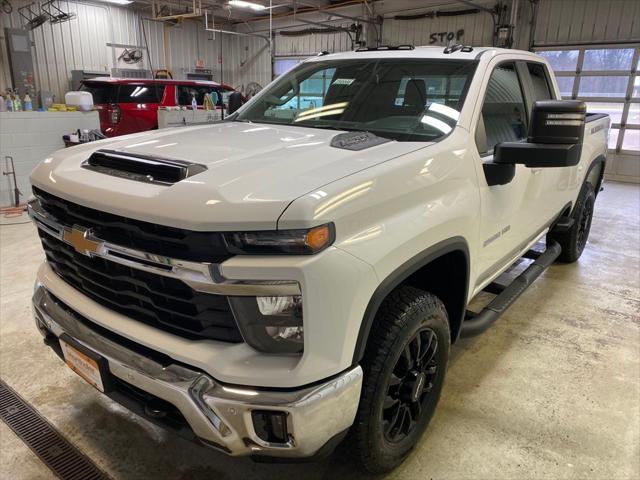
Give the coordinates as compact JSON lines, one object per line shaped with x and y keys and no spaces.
{"x":606,"y":78}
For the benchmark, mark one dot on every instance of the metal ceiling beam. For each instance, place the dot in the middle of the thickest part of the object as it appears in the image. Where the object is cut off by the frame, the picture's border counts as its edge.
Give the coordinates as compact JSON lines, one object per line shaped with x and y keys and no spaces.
{"x":231,"y":32}
{"x":324,"y":25}
{"x":334,"y":14}
{"x":473,"y":4}
{"x":348,"y":17}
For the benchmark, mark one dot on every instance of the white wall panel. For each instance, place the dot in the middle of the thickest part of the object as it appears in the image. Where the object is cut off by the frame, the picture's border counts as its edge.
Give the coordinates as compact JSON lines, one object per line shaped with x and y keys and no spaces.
{"x":244,"y":59}
{"x":81,"y":43}
{"x":478,"y":30}
{"x":314,"y":43}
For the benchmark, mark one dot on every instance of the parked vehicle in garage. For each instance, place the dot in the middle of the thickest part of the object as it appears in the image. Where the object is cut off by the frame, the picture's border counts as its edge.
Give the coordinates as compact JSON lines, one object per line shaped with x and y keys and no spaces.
{"x":304,"y":279}
{"x":131,"y":105}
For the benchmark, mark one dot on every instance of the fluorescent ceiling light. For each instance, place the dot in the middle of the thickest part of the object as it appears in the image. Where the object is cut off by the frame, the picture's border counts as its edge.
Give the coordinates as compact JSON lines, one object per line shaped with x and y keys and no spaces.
{"x":117,"y":2}
{"x":243,"y":4}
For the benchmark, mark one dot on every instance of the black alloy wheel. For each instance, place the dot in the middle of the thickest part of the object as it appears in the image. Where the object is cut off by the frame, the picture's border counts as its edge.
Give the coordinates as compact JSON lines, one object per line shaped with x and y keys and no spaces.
{"x":409,"y":385}
{"x":574,"y":240}
{"x":404,"y":366}
{"x":584,"y":225}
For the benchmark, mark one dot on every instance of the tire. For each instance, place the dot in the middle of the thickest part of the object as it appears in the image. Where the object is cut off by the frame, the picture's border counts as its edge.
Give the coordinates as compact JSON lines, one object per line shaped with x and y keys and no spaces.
{"x":395,"y":385}
{"x":574,"y":240}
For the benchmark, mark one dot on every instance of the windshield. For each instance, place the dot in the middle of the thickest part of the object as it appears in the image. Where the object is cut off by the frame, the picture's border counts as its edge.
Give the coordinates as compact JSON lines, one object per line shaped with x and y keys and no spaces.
{"x":401,"y":99}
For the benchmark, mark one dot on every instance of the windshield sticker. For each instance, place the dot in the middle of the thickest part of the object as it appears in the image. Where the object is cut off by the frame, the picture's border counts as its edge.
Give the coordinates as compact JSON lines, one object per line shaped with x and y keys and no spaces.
{"x":343,"y":81}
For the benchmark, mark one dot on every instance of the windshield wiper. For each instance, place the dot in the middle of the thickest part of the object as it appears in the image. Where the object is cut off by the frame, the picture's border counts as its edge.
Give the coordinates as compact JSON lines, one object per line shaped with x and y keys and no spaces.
{"x":329,"y":126}
{"x":324,"y":126}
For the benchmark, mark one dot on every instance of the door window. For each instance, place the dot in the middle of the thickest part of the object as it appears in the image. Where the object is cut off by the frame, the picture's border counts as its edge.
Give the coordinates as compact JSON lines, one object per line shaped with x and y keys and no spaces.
{"x":187,"y":92}
{"x":104,"y":92}
{"x":540,"y":81}
{"x":140,"y":93}
{"x":503,"y":112}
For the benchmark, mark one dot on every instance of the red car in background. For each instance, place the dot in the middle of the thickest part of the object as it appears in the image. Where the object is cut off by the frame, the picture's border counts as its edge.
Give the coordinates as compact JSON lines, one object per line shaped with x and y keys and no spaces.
{"x":131,"y":105}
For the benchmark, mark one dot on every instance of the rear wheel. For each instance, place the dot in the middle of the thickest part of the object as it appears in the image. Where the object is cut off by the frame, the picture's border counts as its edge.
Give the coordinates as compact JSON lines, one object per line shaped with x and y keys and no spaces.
{"x":575,"y":239}
{"x":404,"y":367}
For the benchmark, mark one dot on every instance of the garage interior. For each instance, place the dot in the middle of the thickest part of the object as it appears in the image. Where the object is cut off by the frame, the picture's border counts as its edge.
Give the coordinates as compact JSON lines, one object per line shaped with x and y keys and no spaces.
{"x":551,"y":391}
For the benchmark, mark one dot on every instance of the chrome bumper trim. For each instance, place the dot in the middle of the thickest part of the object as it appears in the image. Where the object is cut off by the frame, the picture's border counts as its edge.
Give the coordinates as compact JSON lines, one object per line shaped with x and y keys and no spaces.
{"x":219,"y":414}
{"x":202,"y":277}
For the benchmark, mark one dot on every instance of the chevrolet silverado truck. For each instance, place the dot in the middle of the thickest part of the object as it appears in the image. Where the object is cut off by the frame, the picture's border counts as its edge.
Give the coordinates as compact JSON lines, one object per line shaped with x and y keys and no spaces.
{"x":294,"y":275}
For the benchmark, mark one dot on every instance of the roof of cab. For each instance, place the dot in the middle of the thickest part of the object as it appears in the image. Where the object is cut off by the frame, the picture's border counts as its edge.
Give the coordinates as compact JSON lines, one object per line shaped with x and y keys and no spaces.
{"x":416,"y":52}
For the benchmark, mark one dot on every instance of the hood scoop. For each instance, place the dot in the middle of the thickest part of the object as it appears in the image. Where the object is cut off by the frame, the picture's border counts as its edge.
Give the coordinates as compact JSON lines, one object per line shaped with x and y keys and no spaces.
{"x":141,"y":168}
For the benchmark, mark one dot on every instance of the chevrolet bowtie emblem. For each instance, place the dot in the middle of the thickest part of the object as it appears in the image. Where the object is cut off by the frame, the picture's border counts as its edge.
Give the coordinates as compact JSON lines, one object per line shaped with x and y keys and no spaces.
{"x":77,"y":237}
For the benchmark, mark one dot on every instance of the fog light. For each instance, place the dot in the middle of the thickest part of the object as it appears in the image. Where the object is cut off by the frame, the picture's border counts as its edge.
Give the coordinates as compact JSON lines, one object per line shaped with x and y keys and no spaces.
{"x":292,"y":334}
{"x":291,"y":305}
{"x":270,"y":426}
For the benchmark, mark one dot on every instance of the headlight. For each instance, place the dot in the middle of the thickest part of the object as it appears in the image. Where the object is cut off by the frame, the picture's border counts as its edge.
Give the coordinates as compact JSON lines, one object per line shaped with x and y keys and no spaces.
{"x":291,"y":242}
{"x":270,"y":324}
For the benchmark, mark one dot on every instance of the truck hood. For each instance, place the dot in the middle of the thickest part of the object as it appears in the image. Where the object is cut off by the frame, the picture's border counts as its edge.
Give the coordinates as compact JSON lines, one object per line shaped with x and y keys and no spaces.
{"x":254,"y":171}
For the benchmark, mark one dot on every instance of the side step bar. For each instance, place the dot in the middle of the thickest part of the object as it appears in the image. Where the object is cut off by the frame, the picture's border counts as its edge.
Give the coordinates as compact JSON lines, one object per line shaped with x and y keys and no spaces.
{"x":476,"y":323}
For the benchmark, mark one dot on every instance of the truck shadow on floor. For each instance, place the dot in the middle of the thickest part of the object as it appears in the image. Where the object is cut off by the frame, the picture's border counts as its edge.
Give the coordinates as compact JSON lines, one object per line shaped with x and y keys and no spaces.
{"x":128,"y":447}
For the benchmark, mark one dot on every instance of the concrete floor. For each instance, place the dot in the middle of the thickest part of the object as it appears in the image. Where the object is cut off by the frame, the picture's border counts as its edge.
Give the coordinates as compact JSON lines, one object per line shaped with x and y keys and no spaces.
{"x":552,"y":391}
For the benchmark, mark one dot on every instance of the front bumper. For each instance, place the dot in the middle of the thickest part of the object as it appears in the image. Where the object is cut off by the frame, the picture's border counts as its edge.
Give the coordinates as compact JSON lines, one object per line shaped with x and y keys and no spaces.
{"x":219,"y":415}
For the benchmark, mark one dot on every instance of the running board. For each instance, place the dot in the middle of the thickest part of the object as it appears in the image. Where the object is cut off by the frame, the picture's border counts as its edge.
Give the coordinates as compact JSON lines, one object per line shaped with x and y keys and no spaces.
{"x":476,"y":323}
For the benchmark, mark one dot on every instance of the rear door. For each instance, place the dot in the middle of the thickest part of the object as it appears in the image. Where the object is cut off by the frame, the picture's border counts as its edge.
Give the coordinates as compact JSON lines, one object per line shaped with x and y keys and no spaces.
{"x":104,"y":94}
{"x":511,"y":214}
{"x":139,"y":106}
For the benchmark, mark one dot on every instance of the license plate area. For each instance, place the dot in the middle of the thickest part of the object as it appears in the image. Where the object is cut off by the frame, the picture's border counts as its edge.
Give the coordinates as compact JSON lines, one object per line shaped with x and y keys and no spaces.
{"x":86,"y":363}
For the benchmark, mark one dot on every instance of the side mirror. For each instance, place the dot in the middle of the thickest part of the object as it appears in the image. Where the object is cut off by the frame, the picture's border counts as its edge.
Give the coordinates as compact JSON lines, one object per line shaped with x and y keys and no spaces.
{"x":555,"y":137}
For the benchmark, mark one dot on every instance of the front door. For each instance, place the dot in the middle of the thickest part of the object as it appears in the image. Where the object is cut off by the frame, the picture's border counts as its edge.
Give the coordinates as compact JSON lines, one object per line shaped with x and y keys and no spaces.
{"x":511,"y":214}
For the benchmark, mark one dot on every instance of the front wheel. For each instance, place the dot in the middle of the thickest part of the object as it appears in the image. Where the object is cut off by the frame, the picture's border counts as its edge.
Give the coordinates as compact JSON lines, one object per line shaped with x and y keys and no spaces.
{"x":404,"y":368}
{"x":574,"y":240}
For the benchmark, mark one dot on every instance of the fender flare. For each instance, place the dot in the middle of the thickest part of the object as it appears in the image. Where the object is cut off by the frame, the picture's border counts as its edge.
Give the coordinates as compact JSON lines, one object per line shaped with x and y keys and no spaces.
{"x":599,"y":160}
{"x":395,"y":278}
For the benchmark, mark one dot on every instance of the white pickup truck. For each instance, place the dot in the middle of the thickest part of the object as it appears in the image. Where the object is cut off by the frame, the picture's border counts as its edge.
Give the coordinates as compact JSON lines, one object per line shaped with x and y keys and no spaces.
{"x":269,"y":284}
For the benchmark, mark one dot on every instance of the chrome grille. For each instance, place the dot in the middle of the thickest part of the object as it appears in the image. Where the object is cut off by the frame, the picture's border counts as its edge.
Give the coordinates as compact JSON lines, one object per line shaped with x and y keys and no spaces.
{"x":149,"y":237}
{"x":166,"y":303}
